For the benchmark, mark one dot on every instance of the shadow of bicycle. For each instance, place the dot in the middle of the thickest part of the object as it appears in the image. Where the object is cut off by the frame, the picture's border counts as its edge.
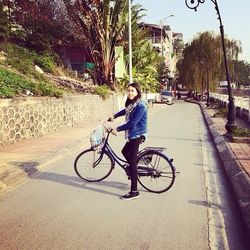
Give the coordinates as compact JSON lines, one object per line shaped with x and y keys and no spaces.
{"x":78,"y":183}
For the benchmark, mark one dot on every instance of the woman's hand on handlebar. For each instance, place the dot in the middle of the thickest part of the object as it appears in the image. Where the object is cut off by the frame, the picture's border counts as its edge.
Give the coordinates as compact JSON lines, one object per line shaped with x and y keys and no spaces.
{"x":109,"y":128}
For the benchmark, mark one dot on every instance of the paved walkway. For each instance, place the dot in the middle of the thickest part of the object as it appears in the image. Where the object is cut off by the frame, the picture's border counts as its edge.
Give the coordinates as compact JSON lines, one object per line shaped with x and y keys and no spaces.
{"x":19,"y":161}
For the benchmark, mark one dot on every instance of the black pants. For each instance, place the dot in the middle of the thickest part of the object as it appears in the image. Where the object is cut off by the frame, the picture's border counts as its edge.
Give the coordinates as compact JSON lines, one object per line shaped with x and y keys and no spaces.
{"x":130,"y":152}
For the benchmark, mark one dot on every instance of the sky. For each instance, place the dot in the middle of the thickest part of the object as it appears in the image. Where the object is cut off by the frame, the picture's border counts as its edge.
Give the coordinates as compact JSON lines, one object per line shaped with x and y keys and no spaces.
{"x":235,"y":18}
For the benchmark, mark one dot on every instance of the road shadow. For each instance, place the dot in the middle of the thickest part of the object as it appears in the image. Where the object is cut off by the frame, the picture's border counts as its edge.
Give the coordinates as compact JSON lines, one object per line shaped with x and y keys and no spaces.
{"x":206,"y":204}
{"x":29,"y":167}
{"x":32,"y":171}
{"x":200,"y":203}
{"x":75,"y":181}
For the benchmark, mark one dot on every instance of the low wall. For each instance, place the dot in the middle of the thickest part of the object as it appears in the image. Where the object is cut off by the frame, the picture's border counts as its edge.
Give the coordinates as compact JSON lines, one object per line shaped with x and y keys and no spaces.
{"x":28,"y":117}
{"x":240,"y":112}
{"x":236,"y":92}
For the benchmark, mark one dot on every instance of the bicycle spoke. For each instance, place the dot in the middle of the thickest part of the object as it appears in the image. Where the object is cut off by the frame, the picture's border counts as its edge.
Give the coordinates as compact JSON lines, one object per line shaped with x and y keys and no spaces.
{"x":155,"y":171}
{"x":92,"y":166}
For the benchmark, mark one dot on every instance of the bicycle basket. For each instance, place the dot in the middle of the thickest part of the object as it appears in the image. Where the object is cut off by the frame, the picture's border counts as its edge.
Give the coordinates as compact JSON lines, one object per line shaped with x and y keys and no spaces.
{"x":97,"y":136}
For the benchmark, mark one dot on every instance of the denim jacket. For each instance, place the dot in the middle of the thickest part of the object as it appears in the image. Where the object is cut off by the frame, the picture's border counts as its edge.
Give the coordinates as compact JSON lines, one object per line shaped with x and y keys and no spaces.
{"x":137,"y":124}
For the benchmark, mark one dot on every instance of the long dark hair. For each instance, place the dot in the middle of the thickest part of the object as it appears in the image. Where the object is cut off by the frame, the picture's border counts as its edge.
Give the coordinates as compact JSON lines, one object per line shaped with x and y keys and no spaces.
{"x":137,"y":87}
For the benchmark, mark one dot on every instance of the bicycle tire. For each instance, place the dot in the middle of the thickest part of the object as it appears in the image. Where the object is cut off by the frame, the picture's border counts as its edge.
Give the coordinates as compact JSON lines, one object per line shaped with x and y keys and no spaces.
{"x":90,"y":167}
{"x":156,"y":172}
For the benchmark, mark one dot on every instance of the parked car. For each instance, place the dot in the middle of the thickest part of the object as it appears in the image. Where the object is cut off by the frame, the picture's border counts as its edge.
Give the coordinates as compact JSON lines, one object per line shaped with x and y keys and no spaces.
{"x":151,"y":97}
{"x":167,"y":97}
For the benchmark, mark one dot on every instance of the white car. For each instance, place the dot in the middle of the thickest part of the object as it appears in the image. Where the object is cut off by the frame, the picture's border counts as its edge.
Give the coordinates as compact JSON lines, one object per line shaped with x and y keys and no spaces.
{"x":167,"y":97}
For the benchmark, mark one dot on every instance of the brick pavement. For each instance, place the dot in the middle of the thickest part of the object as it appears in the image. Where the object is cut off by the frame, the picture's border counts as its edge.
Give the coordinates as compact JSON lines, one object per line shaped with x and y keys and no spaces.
{"x":241,"y":150}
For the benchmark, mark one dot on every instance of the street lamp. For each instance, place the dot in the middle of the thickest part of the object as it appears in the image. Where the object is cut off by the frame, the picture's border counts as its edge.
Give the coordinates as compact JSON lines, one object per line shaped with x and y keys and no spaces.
{"x":112,"y":3}
{"x":161,"y":26}
{"x":130,"y":41}
{"x":230,"y":125}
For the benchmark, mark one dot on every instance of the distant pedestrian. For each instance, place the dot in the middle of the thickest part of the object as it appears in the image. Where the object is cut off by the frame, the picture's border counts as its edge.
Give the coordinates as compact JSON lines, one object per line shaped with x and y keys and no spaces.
{"x":135,"y":129}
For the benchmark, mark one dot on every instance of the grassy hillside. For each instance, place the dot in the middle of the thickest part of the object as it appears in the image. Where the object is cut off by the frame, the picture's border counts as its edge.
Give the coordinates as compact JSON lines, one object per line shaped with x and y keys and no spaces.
{"x":13,"y":84}
{"x":24,"y":72}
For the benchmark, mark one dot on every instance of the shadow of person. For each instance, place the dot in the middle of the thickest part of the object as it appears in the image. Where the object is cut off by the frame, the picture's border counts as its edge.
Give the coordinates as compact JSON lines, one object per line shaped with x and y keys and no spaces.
{"x":78,"y":183}
{"x":32,"y":171}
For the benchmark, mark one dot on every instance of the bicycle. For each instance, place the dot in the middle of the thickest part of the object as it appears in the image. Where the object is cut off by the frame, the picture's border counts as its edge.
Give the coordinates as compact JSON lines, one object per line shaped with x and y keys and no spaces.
{"x":156,"y":172}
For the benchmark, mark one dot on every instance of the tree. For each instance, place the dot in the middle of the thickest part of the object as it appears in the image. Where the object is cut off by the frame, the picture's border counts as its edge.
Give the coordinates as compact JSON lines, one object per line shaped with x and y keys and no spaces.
{"x":178,"y":45}
{"x":241,"y":72}
{"x":42,"y":25}
{"x":4,"y":23}
{"x":202,"y":61}
{"x":32,"y":23}
{"x":9,"y":28}
{"x":146,"y":60}
{"x":102,"y":25}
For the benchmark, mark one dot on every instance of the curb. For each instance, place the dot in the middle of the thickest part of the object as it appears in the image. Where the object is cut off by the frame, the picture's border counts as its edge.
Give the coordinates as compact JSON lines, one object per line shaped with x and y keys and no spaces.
{"x":237,"y":177}
{"x":12,"y":176}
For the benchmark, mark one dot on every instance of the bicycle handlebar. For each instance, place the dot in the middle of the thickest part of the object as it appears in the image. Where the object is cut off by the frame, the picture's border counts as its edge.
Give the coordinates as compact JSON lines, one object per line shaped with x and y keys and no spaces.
{"x":106,"y":127}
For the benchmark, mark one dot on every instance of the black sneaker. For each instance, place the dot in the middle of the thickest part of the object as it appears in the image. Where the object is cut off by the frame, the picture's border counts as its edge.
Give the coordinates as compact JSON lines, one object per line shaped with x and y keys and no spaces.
{"x":131,"y":195}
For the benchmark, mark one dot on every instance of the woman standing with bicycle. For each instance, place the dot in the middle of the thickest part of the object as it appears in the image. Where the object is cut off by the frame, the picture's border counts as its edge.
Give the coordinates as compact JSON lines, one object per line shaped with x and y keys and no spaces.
{"x":135,"y":129}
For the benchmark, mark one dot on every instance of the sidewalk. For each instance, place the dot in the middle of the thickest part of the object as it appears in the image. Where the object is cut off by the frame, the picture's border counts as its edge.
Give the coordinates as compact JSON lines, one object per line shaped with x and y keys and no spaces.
{"x":241,"y":150}
{"x":235,"y":158}
{"x":20,"y":161}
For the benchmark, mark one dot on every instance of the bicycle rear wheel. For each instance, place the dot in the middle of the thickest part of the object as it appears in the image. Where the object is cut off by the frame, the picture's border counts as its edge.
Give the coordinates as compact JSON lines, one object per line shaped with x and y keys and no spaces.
{"x":155,"y":171}
{"x":92,"y":166}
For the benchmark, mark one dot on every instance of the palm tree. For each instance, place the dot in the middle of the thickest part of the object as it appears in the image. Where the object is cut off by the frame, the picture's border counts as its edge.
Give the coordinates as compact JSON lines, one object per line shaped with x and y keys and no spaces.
{"x":102,"y":24}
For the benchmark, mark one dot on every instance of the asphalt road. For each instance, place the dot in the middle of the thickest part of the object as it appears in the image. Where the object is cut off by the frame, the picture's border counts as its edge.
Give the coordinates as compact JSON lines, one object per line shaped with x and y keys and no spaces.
{"x":57,"y":210}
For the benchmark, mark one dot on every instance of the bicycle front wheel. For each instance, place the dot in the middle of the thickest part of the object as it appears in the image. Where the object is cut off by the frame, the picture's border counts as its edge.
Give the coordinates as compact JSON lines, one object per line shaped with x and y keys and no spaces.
{"x":92,"y":166}
{"x":155,"y":171}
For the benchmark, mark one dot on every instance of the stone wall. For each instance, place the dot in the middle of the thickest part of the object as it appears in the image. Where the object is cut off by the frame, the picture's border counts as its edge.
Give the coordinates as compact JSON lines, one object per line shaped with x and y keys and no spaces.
{"x":25,"y":118}
{"x":236,"y":92}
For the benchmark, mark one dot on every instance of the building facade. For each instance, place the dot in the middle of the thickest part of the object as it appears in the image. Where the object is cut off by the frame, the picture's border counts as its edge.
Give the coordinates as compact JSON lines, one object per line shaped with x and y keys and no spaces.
{"x":163,"y":39}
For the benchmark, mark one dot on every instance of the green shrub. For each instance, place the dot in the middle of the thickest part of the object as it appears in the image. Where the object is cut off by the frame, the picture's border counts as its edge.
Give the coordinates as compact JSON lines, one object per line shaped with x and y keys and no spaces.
{"x":103,"y":91}
{"x":6,"y":91}
{"x":241,"y":132}
{"x":12,"y":84}
{"x":25,"y":60}
{"x":221,"y":112}
{"x":45,"y":89}
{"x":46,"y":63}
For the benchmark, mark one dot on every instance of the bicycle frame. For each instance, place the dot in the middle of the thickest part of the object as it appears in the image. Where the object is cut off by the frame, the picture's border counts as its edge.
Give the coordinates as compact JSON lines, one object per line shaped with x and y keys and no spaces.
{"x":116,"y":159}
{"x":107,"y":148}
